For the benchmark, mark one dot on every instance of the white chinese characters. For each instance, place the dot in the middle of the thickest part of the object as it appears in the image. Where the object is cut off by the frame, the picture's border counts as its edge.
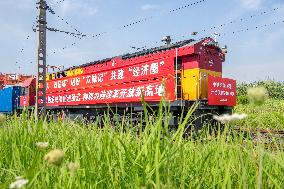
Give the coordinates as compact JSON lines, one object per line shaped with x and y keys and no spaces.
{"x":146,"y":69}
{"x":149,"y":90}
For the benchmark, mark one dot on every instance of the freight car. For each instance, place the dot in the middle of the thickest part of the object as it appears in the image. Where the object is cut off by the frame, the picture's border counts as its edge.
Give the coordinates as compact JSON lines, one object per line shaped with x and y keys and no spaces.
{"x":182,"y":73}
{"x":9,"y":99}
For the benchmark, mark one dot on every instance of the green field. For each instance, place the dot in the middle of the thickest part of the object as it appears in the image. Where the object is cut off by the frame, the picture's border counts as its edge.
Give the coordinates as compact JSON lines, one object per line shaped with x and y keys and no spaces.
{"x":124,"y":156}
{"x":268,"y":115}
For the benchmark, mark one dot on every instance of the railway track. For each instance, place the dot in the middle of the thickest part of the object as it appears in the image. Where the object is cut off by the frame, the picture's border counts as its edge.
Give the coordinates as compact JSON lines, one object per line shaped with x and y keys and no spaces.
{"x":269,"y":138}
{"x":260,"y":131}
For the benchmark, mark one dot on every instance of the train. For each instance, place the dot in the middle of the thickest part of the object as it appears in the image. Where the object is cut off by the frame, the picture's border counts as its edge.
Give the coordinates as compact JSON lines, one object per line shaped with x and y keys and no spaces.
{"x":182,"y":73}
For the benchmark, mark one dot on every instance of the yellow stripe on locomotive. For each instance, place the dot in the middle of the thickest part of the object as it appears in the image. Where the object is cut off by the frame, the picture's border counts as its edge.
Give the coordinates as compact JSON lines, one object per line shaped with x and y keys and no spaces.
{"x":194,"y":83}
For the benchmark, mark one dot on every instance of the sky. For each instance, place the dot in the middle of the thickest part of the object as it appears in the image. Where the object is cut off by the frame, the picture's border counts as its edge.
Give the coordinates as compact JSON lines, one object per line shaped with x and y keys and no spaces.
{"x":254,"y":54}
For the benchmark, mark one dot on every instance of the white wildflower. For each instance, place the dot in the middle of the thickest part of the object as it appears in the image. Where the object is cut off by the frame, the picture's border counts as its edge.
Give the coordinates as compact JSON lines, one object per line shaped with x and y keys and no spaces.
{"x":73,"y":167}
{"x":19,"y":183}
{"x":2,"y":118}
{"x":42,"y":145}
{"x":226,"y":118}
{"x":54,"y":157}
{"x":19,"y":177}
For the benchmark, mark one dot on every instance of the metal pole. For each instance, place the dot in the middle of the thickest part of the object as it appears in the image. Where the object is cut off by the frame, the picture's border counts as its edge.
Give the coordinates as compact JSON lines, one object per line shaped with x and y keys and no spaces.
{"x":41,"y":61}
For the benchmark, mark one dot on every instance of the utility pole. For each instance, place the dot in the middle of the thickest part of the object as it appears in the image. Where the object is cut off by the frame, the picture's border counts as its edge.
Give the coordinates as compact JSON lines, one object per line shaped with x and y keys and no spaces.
{"x":40,"y":106}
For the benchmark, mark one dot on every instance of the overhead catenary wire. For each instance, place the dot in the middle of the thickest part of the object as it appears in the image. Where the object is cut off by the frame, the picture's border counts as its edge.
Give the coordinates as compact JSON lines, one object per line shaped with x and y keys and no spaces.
{"x":34,"y":28}
{"x":71,"y":26}
{"x":59,"y":1}
{"x":171,"y":11}
{"x":56,"y":3}
{"x":22,"y":51}
{"x":186,"y":6}
{"x":234,"y":32}
{"x":66,"y":32}
{"x":247,"y":29}
{"x":253,"y":28}
{"x":265,"y":12}
{"x":243,"y":19}
{"x":78,"y":35}
{"x":147,"y":19}
{"x":135,"y":22}
{"x":177,"y":9}
{"x":63,"y":48}
{"x":62,"y":19}
{"x":132,"y":23}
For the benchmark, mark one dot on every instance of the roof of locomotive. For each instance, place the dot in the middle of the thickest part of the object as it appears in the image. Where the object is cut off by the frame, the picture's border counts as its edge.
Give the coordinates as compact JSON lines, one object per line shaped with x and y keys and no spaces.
{"x":187,"y":42}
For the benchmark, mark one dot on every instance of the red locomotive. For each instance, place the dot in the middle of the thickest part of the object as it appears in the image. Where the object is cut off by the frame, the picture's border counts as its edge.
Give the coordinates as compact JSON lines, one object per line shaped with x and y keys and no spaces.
{"x":181,"y":73}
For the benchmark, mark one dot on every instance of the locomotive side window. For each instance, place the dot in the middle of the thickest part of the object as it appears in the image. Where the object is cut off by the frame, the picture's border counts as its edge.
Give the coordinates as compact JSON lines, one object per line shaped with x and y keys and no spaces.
{"x":25,"y":91}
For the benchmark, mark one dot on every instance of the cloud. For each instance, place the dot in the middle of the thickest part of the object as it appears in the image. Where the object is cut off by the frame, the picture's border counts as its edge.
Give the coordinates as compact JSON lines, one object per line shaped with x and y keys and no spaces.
{"x":22,"y":5}
{"x":251,"y":4}
{"x":78,"y":6}
{"x":149,"y":7}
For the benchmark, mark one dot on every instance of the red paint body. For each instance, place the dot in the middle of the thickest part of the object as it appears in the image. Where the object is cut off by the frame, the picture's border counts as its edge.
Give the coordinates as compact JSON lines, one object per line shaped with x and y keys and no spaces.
{"x":24,"y":101}
{"x":221,"y":91}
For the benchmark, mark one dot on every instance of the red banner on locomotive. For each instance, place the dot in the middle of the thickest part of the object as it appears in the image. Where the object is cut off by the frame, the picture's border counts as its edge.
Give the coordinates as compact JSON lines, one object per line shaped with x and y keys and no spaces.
{"x":136,"y":72}
{"x":151,"y":91}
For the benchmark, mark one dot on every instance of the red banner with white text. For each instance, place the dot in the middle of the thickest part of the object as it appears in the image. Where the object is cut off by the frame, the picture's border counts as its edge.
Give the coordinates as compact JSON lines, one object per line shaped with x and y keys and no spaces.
{"x":152,"y":91}
{"x":144,"y":71}
{"x":221,"y":91}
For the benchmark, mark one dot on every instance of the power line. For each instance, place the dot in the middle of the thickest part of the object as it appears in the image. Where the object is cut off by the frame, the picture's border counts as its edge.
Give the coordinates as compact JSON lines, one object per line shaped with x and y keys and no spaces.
{"x":135,"y":22}
{"x":180,"y":8}
{"x":78,"y":35}
{"x":223,"y":34}
{"x":63,"y":48}
{"x":230,"y":22}
{"x":243,"y":19}
{"x":22,"y":50}
{"x":62,"y":19}
{"x":59,"y":1}
{"x":186,"y":6}
{"x":237,"y":20}
{"x":71,"y":26}
{"x":66,"y":32}
{"x":49,"y":9}
{"x":148,"y":18}
{"x":253,"y":28}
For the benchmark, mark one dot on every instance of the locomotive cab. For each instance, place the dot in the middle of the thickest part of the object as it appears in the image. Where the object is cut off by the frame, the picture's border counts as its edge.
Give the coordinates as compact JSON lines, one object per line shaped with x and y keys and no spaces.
{"x":205,"y":61}
{"x":28,"y":92}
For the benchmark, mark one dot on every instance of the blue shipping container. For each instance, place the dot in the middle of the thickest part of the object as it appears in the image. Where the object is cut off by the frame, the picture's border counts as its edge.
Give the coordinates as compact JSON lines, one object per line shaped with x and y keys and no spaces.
{"x":9,"y":99}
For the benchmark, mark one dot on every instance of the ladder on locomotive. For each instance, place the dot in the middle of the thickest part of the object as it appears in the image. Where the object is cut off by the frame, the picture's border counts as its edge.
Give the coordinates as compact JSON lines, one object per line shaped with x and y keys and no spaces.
{"x":179,"y":69}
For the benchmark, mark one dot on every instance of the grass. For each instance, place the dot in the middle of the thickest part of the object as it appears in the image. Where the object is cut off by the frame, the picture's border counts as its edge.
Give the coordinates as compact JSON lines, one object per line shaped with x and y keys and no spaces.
{"x":268,"y":115}
{"x":127,"y":157}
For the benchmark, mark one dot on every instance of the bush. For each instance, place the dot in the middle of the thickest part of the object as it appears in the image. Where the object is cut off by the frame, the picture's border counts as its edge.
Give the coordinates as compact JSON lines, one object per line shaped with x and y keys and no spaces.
{"x":242,"y":99}
{"x":274,"y":89}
